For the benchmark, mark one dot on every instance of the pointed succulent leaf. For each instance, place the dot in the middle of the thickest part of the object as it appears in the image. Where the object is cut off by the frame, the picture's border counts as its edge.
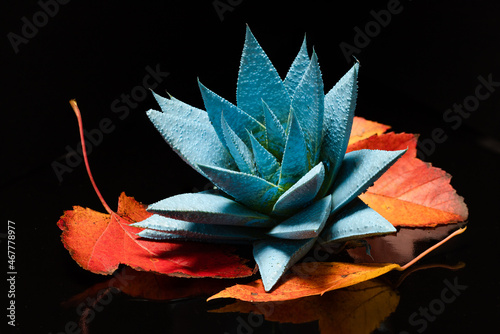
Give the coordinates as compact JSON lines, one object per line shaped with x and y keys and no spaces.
{"x":356,"y":221}
{"x":275,"y":256}
{"x":295,"y":162}
{"x":297,"y":70}
{"x":358,"y":172}
{"x":275,"y":134}
{"x":165,"y":236}
{"x":340,"y":103}
{"x":209,"y":208}
{"x":302,"y":192}
{"x":188,"y":131}
{"x":247,"y":189}
{"x":308,"y":105}
{"x":258,"y":79}
{"x":240,"y":152}
{"x":267,"y":165}
{"x":306,"y":224}
{"x":237,"y":119}
{"x":195,"y":231}
{"x":159,"y":235}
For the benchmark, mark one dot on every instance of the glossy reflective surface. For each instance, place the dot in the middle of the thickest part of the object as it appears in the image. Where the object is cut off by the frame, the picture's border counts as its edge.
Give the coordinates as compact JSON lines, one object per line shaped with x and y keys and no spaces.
{"x":429,"y":58}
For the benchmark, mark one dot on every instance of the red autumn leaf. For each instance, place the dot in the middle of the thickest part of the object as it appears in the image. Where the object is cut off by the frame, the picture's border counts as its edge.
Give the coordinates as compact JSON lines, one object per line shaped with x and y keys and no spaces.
{"x":308,"y":279}
{"x":411,"y":193}
{"x":362,"y":128}
{"x":101,"y":242}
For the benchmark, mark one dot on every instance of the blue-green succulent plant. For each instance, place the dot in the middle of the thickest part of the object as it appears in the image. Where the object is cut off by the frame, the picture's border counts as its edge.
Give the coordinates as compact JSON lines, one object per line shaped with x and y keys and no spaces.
{"x":278,"y":158}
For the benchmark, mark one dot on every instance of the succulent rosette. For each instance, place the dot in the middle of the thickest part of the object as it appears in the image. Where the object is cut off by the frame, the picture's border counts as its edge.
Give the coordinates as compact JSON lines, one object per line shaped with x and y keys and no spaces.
{"x":278,"y":160}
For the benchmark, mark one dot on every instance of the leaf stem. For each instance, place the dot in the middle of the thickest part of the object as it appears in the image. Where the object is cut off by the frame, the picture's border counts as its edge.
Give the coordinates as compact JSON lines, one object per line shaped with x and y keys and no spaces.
{"x":73,"y":104}
{"x":430,"y":249}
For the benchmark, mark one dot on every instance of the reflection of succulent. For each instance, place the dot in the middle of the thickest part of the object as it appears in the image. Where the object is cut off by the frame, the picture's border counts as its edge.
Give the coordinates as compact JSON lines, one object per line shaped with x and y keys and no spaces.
{"x":279,"y":159}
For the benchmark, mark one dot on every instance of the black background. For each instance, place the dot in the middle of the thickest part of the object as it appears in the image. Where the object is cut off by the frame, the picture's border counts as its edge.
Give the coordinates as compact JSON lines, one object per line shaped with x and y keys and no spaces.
{"x":426,"y":59}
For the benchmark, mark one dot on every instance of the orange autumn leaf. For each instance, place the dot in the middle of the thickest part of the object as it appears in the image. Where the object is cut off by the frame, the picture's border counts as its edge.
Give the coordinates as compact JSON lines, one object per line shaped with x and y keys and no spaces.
{"x":101,"y":242}
{"x":315,"y":278}
{"x":356,"y":309}
{"x":362,"y":128}
{"x":308,"y":279}
{"x":411,"y":193}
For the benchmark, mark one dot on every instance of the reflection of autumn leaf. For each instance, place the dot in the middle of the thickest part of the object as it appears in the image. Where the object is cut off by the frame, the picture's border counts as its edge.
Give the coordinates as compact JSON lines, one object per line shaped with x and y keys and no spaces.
{"x":401,"y":247}
{"x":411,"y":192}
{"x":362,"y":129}
{"x":308,"y":279}
{"x":356,"y":309}
{"x":101,"y":242}
{"x":151,"y":286}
